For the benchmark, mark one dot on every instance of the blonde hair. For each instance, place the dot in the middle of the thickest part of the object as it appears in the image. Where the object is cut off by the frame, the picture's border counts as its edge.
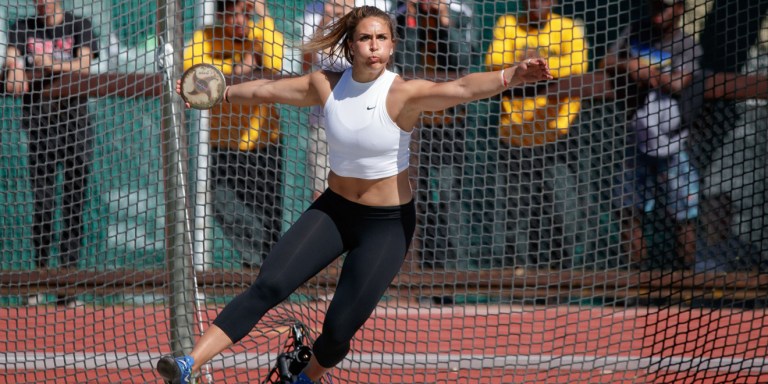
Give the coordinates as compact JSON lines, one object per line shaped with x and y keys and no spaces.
{"x":334,"y":36}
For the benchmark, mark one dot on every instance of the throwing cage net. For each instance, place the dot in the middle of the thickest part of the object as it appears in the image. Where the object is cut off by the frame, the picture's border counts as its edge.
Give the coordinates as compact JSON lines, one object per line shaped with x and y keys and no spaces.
{"x":608,"y":226}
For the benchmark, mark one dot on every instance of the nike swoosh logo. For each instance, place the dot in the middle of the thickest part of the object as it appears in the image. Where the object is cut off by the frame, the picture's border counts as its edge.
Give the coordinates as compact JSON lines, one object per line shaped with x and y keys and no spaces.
{"x":369,"y":108}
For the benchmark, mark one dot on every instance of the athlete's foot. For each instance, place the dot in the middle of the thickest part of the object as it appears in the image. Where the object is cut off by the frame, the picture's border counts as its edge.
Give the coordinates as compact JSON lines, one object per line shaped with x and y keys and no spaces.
{"x":175,"y":371}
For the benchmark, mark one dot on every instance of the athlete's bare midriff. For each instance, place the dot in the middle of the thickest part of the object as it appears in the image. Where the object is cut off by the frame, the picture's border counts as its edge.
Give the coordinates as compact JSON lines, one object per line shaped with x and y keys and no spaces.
{"x":386,"y":192}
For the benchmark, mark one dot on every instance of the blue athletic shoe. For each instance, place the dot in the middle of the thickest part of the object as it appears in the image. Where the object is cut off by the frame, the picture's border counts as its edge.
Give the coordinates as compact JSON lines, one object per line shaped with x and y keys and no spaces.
{"x":176,"y":371}
{"x":302,"y":378}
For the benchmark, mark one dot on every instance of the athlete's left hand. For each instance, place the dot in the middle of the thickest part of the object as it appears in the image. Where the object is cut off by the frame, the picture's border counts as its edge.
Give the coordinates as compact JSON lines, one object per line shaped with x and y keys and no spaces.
{"x":532,"y":70}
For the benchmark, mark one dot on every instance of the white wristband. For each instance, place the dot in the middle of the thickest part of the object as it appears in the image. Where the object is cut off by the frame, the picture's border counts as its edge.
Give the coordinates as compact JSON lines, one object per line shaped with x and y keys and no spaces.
{"x":503,"y":79}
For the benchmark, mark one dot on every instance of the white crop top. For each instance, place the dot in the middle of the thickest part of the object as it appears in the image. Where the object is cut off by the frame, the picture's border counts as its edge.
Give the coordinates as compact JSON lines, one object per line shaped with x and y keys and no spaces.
{"x":363,"y":141}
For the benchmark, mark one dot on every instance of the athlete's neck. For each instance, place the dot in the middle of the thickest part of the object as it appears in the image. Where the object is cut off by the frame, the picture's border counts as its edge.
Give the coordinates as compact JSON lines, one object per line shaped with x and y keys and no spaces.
{"x":366,"y":75}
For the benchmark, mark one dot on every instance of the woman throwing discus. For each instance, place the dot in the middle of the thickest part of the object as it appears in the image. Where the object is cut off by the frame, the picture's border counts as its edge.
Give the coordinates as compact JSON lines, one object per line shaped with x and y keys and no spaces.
{"x":368,"y":209}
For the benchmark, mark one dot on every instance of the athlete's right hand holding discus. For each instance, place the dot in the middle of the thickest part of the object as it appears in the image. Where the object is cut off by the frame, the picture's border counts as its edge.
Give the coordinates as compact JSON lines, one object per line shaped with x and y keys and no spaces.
{"x":202,"y":86}
{"x":368,"y":209}
{"x":178,"y":92}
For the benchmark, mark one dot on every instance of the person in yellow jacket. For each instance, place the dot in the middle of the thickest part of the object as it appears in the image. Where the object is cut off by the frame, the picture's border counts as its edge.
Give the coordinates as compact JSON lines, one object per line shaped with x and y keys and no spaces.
{"x":246,"y":168}
{"x":533,"y":173}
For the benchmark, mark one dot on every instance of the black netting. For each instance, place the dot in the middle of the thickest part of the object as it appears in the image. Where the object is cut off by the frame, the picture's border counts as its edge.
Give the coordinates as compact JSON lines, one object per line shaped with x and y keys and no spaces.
{"x":606,"y":226}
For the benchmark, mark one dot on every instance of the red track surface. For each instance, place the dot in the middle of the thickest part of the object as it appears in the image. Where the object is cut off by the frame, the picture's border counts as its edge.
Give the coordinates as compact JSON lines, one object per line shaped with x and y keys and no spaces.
{"x":487,"y":344}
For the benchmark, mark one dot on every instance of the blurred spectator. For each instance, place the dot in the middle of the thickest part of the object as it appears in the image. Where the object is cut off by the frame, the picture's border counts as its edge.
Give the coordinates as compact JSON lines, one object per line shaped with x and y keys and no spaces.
{"x":534,"y":176}
{"x":437,"y":40}
{"x":435,"y":34}
{"x":662,"y":62}
{"x":245,"y":157}
{"x":731,"y":33}
{"x":666,"y":86}
{"x":40,"y":49}
{"x":719,"y":250}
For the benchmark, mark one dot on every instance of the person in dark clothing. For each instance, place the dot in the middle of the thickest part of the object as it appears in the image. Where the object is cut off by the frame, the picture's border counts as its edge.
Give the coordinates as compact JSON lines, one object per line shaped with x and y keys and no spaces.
{"x":40,"y":49}
{"x":246,"y":166}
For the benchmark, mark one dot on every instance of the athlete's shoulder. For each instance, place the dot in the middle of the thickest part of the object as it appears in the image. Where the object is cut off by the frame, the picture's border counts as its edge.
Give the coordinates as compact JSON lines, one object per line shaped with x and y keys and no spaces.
{"x":325,"y":78}
{"x":327,"y":74}
{"x":397,"y":79}
{"x":404,"y":87}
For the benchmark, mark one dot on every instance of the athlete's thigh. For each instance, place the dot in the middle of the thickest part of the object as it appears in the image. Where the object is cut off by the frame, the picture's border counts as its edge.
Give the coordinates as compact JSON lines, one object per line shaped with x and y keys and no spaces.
{"x":312,"y":243}
{"x":366,"y":274}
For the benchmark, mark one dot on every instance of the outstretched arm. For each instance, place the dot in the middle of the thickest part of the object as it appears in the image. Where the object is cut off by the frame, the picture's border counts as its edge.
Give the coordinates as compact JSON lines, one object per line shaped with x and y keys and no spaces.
{"x":298,"y":91}
{"x":421,"y":95}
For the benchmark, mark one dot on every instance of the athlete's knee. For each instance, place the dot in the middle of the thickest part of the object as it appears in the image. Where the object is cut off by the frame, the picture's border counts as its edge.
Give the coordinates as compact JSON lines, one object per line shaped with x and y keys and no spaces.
{"x":333,"y":344}
{"x":330,"y":352}
{"x":244,"y":311}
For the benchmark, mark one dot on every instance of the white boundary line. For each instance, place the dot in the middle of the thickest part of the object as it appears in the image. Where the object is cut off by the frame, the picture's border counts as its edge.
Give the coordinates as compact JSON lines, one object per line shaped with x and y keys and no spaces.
{"x":31,"y":360}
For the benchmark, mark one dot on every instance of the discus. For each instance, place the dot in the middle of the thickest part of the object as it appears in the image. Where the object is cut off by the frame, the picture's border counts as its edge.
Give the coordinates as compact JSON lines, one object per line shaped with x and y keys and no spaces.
{"x":202,"y":86}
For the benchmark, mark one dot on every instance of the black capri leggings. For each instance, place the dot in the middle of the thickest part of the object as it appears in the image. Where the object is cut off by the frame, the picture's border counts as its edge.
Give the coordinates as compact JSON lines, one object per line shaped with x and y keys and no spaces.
{"x":376,"y":239}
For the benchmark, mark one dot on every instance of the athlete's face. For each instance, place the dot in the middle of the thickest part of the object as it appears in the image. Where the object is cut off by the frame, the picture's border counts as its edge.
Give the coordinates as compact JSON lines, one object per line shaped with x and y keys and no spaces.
{"x":372,"y":43}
